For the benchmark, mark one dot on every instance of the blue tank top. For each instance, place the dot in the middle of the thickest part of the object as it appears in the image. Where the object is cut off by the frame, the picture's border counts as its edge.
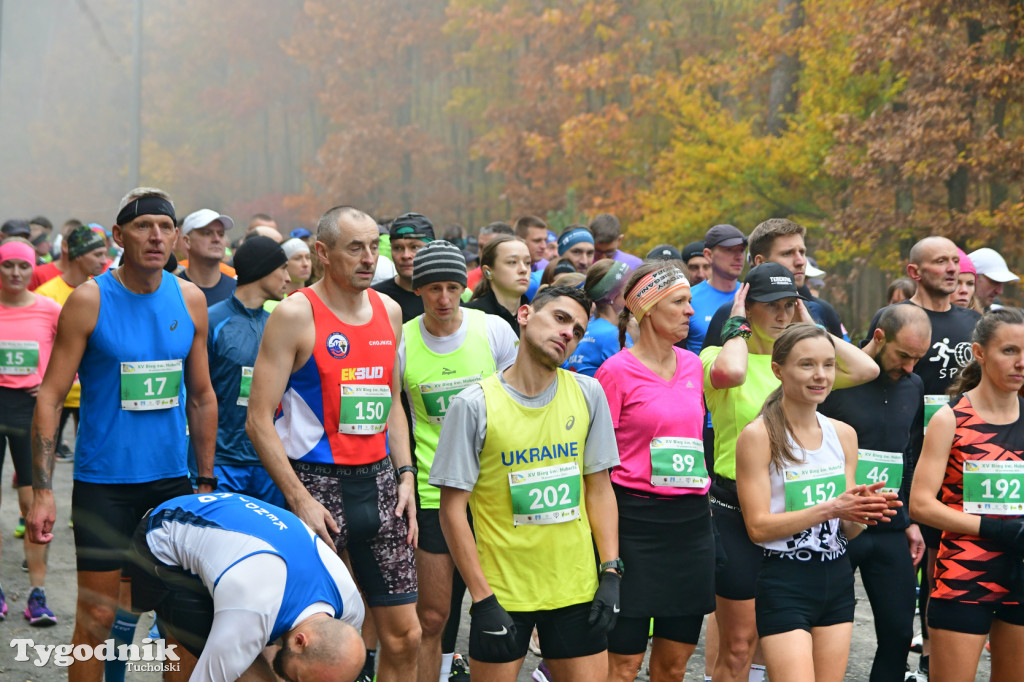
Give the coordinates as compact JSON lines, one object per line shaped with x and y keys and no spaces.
{"x":308,"y":580}
{"x":117,"y":445}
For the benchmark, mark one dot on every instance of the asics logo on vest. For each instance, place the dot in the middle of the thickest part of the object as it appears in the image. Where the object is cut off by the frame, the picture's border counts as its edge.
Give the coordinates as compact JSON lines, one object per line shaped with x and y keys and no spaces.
{"x":337,"y":345}
{"x":569,"y":424}
{"x":174,"y":325}
{"x":553,"y":451}
{"x":360,"y":373}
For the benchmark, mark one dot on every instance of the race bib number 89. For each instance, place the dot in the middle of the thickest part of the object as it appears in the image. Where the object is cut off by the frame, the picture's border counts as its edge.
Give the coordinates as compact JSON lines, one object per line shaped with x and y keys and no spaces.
{"x":545,"y":495}
{"x":678,"y":463}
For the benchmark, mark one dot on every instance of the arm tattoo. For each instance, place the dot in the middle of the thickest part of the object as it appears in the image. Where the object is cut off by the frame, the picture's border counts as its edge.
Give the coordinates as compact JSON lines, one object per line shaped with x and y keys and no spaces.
{"x":42,"y":462}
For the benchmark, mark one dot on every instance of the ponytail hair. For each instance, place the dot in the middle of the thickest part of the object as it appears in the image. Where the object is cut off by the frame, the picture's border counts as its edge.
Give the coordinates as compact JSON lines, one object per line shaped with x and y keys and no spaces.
{"x":488,"y":257}
{"x":772,"y":414}
{"x":970,"y":374}
{"x":637,"y":275}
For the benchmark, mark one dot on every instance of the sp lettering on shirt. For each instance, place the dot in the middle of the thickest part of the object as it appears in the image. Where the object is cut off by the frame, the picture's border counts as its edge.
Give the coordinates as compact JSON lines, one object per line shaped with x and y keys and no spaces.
{"x":361,"y":373}
{"x":529,"y":455}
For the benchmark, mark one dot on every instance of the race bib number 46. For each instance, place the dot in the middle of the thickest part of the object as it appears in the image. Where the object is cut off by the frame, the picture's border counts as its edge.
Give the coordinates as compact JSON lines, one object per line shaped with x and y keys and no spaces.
{"x":874,"y":466}
{"x":809,"y":486}
{"x":678,"y":463}
{"x":545,"y":495}
{"x":150,"y":385}
{"x":994,"y":488}
{"x":19,"y":357}
{"x":437,"y":396}
{"x":364,"y":409}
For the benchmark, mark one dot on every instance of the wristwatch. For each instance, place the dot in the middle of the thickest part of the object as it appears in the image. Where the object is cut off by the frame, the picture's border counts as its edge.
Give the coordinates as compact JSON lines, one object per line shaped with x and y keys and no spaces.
{"x":207,"y":480}
{"x":407,"y":467}
{"x":614,"y":565}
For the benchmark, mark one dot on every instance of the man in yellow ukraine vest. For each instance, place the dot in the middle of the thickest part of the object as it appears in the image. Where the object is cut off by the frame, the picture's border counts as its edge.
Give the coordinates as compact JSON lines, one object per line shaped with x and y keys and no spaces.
{"x":529,"y":450}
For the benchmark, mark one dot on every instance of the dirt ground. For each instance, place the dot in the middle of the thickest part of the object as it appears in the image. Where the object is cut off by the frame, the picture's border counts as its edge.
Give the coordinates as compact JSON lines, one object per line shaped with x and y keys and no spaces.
{"x":61,"y":591}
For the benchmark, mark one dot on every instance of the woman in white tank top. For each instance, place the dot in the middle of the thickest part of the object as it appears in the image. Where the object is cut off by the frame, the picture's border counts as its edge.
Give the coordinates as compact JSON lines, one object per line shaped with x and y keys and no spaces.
{"x":795,"y":479}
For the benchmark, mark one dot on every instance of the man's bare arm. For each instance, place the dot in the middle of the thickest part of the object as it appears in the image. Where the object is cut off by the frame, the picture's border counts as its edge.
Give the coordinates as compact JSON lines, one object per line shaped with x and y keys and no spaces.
{"x":76,"y":323}
{"x":201,"y":400}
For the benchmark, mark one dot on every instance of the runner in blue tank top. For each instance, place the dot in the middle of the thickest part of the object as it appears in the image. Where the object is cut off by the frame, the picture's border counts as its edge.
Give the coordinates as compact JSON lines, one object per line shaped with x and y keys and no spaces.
{"x":136,"y":336}
{"x":229,"y":575}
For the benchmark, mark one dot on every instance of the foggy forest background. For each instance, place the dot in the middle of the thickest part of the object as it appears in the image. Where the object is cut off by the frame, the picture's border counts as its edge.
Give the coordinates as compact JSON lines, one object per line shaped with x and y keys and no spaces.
{"x":872,"y":122}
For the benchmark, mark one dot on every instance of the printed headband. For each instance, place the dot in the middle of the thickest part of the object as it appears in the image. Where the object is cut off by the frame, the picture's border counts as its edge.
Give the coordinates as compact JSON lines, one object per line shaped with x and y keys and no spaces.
{"x":653,"y":287}
{"x":609,"y":286}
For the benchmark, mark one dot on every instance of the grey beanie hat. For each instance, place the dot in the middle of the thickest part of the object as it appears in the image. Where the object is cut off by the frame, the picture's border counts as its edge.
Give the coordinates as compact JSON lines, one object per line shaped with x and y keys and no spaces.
{"x":438,"y":261}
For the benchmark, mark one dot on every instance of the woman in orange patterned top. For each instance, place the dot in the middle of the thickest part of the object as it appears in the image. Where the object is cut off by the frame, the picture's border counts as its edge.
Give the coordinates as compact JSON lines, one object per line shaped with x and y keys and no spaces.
{"x":970,"y":483}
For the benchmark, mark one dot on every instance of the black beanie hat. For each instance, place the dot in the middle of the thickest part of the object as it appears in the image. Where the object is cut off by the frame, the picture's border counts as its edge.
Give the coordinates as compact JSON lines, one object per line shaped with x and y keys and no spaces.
{"x":438,"y":261}
{"x":257,"y":257}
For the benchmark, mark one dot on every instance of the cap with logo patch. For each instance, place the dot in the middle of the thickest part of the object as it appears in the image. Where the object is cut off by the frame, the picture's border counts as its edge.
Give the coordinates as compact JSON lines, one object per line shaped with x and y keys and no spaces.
{"x":770,"y":282}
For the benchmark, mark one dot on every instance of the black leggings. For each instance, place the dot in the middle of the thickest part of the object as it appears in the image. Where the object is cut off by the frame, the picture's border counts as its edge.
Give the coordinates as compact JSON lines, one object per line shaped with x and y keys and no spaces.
{"x":887,"y":572}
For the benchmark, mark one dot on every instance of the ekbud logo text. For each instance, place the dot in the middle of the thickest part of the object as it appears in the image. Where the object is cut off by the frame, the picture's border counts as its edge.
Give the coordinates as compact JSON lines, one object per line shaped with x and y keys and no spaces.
{"x":65,"y":654}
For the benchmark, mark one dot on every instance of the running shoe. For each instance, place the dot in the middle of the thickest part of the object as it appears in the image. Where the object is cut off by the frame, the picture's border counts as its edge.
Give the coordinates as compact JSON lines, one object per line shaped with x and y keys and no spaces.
{"x":36,"y":613}
{"x":19,"y":530}
{"x":365,"y":677}
{"x":24,"y":565}
{"x":542,"y":674}
{"x":3,"y":605}
{"x":460,"y":669}
{"x":62,"y":453}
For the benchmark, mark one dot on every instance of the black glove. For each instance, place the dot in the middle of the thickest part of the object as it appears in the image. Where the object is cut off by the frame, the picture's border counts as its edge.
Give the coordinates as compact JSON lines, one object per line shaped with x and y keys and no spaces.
{"x":1010,"y":532}
{"x":492,"y":632}
{"x":605,"y":608}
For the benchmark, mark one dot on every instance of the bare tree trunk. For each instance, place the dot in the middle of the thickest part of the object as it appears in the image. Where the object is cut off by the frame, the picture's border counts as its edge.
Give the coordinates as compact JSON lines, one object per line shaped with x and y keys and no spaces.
{"x":782,"y":91}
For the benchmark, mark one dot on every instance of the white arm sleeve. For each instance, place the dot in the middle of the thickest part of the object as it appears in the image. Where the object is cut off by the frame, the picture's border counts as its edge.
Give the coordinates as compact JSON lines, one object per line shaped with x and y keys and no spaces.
{"x":245,"y":605}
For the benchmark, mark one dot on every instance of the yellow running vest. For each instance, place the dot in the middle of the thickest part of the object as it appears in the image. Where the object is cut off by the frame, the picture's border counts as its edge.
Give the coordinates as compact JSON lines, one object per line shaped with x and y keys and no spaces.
{"x":432,"y":380}
{"x":532,"y":532}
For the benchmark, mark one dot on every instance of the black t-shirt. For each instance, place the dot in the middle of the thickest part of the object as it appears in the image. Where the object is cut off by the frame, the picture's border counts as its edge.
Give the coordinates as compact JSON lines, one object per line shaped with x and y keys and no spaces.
{"x":221,"y":291}
{"x":886,"y":415}
{"x":411,"y":304}
{"x":950,"y":349}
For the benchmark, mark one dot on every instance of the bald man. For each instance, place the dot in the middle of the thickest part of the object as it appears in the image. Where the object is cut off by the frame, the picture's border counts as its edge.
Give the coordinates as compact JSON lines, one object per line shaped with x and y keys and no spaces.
{"x":229,"y":575}
{"x":935,"y":265}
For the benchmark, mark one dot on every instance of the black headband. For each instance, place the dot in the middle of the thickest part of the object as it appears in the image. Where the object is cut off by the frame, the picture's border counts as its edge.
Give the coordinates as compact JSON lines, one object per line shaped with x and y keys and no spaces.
{"x":151,"y":205}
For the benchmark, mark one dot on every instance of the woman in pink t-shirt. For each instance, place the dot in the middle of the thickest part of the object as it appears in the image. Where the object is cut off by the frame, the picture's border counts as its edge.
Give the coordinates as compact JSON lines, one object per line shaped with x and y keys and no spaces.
{"x":28,"y":327}
{"x":666,"y":542}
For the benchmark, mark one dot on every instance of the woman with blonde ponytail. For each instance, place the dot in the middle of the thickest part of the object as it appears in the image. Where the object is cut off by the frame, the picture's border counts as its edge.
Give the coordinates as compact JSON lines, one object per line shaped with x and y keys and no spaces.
{"x":795,"y":477}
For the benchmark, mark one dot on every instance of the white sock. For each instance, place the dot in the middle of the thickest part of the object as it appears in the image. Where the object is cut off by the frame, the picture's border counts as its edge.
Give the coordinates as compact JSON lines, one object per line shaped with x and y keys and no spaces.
{"x":756,"y":673}
{"x":707,"y":678}
{"x":446,"y":666}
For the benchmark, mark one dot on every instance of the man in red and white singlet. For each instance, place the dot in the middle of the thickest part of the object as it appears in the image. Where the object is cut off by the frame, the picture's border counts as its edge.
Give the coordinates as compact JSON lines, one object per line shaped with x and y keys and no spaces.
{"x":326,"y":420}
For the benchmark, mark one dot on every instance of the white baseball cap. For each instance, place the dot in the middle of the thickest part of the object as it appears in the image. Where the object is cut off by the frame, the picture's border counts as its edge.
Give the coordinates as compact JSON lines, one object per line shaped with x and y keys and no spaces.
{"x":988,"y":262}
{"x":203,"y":217}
